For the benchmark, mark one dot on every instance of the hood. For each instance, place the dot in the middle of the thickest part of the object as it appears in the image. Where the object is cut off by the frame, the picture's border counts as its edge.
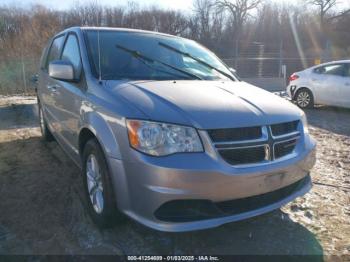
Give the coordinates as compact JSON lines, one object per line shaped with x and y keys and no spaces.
{"x":206,"y":104}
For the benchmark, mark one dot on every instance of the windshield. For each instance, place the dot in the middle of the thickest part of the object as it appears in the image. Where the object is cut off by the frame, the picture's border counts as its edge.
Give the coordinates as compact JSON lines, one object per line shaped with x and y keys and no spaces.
{"x":142,"y":56}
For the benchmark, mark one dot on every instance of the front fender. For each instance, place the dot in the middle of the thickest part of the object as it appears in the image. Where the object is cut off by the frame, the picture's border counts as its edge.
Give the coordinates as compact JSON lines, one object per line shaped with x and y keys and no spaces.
{"x":102,"y":130}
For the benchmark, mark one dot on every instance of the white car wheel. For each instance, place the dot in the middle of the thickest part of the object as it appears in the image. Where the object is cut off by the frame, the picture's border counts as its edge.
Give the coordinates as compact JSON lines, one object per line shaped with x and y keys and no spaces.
{"x":304,"y":98}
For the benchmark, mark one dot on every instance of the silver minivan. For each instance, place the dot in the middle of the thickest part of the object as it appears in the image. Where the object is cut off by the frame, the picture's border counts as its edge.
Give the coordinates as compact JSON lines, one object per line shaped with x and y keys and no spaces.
{"x":165,"y":133}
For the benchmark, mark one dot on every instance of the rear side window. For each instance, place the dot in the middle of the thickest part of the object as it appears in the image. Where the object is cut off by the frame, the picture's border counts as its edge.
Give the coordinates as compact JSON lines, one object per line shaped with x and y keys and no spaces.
{"x":335,"y":69}
{"x":54,"y":52}
{"x":71,"y":53}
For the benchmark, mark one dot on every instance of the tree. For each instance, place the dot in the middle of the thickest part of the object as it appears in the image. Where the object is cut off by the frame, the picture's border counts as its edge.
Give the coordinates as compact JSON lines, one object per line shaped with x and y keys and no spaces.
{"x":325,"y":6}
{"x":203,"y":11}
{"x":239,"y":11}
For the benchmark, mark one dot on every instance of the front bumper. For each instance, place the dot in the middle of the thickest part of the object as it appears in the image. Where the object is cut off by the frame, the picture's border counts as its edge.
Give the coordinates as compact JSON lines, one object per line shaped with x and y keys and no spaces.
{"x":145,"y":183}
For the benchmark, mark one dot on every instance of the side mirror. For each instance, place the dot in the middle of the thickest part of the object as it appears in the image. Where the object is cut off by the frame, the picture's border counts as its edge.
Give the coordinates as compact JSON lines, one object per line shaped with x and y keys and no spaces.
{"x":233,"y":71}
{"x":61,"y":70}
{"x":34,"y":79}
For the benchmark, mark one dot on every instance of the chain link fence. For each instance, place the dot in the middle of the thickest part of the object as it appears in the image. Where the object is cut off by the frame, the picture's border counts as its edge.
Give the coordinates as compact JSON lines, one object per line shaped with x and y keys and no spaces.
{"x":267,"y":69}
{"x":16,"y":76}
{"x":267,"y":65}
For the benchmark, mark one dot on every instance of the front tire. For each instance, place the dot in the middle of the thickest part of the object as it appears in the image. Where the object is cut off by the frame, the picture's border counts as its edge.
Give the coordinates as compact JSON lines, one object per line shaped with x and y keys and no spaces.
{"x":304,"y":98}
{"x":98,"y":187}
{"x":46,"y":133}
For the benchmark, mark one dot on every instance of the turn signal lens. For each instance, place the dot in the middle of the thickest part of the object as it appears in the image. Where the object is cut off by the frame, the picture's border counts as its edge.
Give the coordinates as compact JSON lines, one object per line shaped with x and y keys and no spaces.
{"x":133,"y":126}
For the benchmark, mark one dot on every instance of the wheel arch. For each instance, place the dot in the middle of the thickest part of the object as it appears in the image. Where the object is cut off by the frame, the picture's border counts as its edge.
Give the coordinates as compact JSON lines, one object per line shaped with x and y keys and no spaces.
{"x":84,"y":136}
{"x":96,"y":127}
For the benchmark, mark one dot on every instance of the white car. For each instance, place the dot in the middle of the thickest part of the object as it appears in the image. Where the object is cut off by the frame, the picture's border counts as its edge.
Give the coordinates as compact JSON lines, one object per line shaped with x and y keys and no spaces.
{"x":326,"y":84}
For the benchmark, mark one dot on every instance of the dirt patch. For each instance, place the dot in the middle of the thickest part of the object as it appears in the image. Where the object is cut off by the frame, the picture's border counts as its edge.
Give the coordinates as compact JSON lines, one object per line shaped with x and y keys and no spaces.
{"x":326,"y":210}
{"x":42,"y":208}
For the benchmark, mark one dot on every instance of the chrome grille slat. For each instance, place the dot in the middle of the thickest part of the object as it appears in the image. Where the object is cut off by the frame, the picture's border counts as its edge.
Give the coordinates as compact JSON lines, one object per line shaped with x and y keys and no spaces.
{"x":240,"y":147}
{"x":287,"y":140}
{"x":296,"y":133}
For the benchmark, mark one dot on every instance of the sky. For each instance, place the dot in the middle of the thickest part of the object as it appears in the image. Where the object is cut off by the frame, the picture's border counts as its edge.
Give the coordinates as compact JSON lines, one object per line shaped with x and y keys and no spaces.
{"x":184,"y":5}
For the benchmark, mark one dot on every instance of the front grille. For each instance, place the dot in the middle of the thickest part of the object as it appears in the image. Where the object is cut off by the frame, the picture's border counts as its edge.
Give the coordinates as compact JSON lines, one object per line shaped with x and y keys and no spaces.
{"x":241,"y":156}
{"x":235,"y":134}
{"x":195,"y":210}
{"x":255,"y":145}
{"x":284,"y":128}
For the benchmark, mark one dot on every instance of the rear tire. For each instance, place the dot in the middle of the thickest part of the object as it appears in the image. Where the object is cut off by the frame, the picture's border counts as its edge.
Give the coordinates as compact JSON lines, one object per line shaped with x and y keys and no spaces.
{"x":304,"y":98}
{"x":99,"y":193}
{"x":46,"y":133}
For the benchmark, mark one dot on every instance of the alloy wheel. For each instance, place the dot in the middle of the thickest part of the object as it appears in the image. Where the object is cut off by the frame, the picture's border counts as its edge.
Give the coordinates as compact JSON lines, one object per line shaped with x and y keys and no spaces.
{"x":94,"y":183}
{"x":303,"y":99}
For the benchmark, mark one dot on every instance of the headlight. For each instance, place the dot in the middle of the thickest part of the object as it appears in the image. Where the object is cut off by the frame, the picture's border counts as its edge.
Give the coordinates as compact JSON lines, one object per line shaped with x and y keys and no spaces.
{"x":161,"y":139}
{"x":305,"y":124}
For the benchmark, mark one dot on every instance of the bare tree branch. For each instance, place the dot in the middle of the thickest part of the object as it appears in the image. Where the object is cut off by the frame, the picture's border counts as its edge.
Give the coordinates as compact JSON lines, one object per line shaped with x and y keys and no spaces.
{"x":324,"y":7}
{"x":343,"y":13}
{"x":238,"y":9}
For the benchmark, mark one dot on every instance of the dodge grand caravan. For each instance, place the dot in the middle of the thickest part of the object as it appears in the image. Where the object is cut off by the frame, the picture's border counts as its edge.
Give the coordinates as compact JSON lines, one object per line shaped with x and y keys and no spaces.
{"x":166,"y":133}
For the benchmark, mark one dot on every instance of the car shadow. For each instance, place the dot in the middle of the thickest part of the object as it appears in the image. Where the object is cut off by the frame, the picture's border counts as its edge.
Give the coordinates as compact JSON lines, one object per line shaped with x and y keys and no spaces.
{"x":19,"y":115}
{"x":270,"y":234}
{"x":328,"y":118}
{"x":43,"y":203}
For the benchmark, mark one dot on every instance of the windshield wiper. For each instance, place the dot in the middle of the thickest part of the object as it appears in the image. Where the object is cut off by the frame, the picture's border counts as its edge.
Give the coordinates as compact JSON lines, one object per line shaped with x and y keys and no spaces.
{"x":196,"y":59}
{"x":138,"y":55}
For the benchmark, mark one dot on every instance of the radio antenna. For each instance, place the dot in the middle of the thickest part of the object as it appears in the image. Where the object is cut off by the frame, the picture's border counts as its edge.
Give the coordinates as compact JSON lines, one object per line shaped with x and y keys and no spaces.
{"x":99,"y":56}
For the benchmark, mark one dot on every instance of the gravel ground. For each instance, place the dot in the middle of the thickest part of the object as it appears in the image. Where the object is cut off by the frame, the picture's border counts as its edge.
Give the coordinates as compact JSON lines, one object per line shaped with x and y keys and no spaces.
{"x":42,"y":209}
